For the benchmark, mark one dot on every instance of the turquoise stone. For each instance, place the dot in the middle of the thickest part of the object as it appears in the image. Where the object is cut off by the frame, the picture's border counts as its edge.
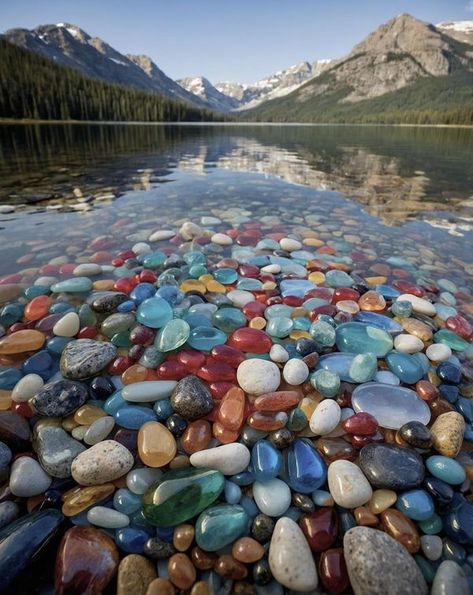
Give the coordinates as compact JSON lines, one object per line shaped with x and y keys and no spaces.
{"x":75,"y":285}
{"x":427,"y":567}
{"x":266,"y":461}
{"x":356,"y":337}
{"x":379,"y":321}
{"x":197,"y":270}
{"x":432,"y":525}
{"x":306,"y":470}
{"x":60,"y":307}
{"x":326,"y":382}
{"x":180,"y":495}
{"x":114,"y":403}
{"x":172,"y":335}
{"x":446,"y":469}
{"x":323,"y":333}
{"x":152,"y":260}
{"x":363,"y":368}
{"x":387,"y":291}
{"x":339,"y":363}
{"x":121,"y":339}
{"x":11,"y":313}
{"x":449,"y":338}
{"x":194,"y":257}
{"x":56,"y":344}
{"x":203,"y":338}
{"x":126,"y":501}
{"x":406,"y":367}
{"x":337,"y":278}
{"x":132,"y":417}
{"x":154,"y":312}
{"x":415,"y":504}
{"x":296,"y":287}
{"x":300,"y":324}
{"x":267,"y":244}
{"x":87,"y":316}
{"x":444,"y":311}
{"x":116,"y":323}
{"x":249,"y":284}
{"x":312,"y":303}
{"x":278,"y":311}
{"x":232,"y":492}
{"x":226,"y":276}
{"x":279,"y":327}
{"x":402,"y":308}
{"x":220,"y":525}
{"x":229,"y":319}
{"x":35,"y":291}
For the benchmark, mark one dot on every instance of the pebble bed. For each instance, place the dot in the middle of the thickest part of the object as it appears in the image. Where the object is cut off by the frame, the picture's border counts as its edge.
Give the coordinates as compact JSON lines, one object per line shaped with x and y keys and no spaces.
{"x":245,"y":408}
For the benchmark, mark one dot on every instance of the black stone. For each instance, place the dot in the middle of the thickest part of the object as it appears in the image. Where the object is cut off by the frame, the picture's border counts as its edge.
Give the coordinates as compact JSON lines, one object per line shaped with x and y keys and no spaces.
{"x":60,"y":398}
{"x":391,"y":467}
{"x":281,"y":438}
{"x":158,"y":549}
{"x":101,"y":387}
{"x":191,"y":398}
{"x":303,"y":502}
{"x":441,"y":492}
{"x":416,"y":434}
{"x":14,"y":431}
{"x":176,"y":424}
{"x":262,"y":528}
{"x":458,"y":524}
{"x":108,"y":301}
{"x":262,"y":572}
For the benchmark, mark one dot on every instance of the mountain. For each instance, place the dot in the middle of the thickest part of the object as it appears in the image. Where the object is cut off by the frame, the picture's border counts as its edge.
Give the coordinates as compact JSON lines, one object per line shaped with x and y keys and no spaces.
{"x":70,"y":46}
{"x":459,"y":30}
{"x":405,"y":65}
{"x":203,"y":88}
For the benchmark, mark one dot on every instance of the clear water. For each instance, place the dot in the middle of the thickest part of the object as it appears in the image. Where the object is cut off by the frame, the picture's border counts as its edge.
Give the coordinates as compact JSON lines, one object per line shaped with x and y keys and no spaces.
{"x":388,"y":191}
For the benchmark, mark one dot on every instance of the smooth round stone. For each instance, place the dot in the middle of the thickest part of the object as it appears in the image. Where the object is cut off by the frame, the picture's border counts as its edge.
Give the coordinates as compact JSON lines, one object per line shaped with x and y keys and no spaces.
{"x":126,"y":501}
{"x":221,"y":239}
{"x":191,"y":398}
{"x":338,"y":363}
{"x":449,"y":338}
{"x":135,"y":575}
{"x":21,"y":341}
{"x":432,"y":546}
{"x":405,"y":343}
{"x":220,"y":525}
{"x":258,"y":376}
{"x":154,"y":312}
{"x":107,"y":518}
{"x":55,"y":449}
{"x":59,"y":399}
{"x":446,"y":469}
{"x":323,"y":333}
{"x":76,"y":285}
{"x":327,"y":383}
{"x":266,"y":461}
{"x":148,"y":391}
{"x":161,"y":234}
{"x":419,"y":305}
{"x":416,"y":434}
{"x":347,"y":484}
{"x":415,"y":504}
{"x":406,"y":367}
{"x":172,"y":336}
{"x":391,"y":467}
{"x":240,"y":297}
{"x":278,"y":354}
{"x":377,"y":563}
{"x":85,"y":358}
{"x":138,"y":481}
{"x":279,"y":327}
{"x":132,"y":417}
{"x":229,"y":319}
{"x":325,"y":417}
{"x":67,"y":326}
{"x":290,"y":559}
{"x":295,"y":372}
{"x":229,"y":459}
{"x":438,"y":352}
{"x":27,"y":478}
{"x":290,"y":245}
{"x":180,"y":495}
{"x":363,"y":367}
{"x":335,"y":278}
{"x":99,"y":430}
{"x":450,"y":579}
{"x":391,"y":406}
{"x":447,"y":433}
{"x":27,"y":387}
{"x":306,"y":470}
{"x":380,"y":321}
{"x":272,"y":497}
{"x":105,"y":461}
{"x":156,"y":445}
{"x":458,"y":524}
{"x":356,"y":337}
{"x":87,"y":269}
{"x":204,"y":338}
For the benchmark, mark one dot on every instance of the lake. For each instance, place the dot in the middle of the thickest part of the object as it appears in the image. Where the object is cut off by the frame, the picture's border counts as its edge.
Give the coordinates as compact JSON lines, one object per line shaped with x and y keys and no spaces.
{"x":385,"y":192}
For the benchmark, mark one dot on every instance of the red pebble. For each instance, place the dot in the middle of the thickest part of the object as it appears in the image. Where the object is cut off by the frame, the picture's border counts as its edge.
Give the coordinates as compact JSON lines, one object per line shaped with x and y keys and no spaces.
{"x":253,"y":309}
{"x":323,"y":293}
{"x":345,"y":293}
{"x":192,"y":359}
{"x":68,"y":268}
{"x":214,"y":371}
{"x":278,"y":401}
{"x":248,"y":270}
{"x":125,"y":285}
{"x":220,"y":389}
{"x":229,"y":355}
{"x":328,"y":309}
{"x":147,"y":276}
{"x":10,"y":279}
{"x":172,"y":370}
{"x":362,"y":424}
{"x":320,"y":528}
{"x":292,"y":300}
{"x":88,"y":332}
{"x":358,"y":441}
{"x":460,"y":326}
{"x":250,"y":340}
{"x":141,"y":335}
{"x":119,"y":365}
{"x":333,"y":571}
{"x":22,"y":409}
{"x":406,"y":287}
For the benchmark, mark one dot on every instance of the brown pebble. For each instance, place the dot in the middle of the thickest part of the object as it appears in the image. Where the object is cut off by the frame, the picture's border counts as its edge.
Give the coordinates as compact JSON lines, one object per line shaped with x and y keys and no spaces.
{"x":439,"y":407}
{"x":160,"y":586}
{"x":228,"y":567}
{"x":401,"y":528}
{"x":427,"y":391}
{"x":203,"y":560}
{"x":201,"y":588}
{"x":447,"y":433}
{"x":247,"y":550}
{"x":365,"y":517}
{"x":181,"y":571}
{"x":135,"y":573}
{"x":183,"y":537}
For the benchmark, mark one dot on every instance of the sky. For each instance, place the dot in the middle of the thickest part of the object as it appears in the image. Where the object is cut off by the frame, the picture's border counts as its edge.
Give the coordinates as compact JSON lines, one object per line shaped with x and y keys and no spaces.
{"x":228,"y":40}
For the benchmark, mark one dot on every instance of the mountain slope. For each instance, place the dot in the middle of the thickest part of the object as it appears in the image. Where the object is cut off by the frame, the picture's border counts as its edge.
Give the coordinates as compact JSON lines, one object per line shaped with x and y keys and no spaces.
{"x":203,"y":88}
{"x":401,"y":54}
{"x":459,"y":30}
{"x":70,"y":46}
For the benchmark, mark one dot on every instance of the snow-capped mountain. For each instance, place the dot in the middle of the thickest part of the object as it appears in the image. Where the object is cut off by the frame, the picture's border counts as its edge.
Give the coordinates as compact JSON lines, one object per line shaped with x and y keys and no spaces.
{"x":203,"y":88}
{"x":460,"y":30}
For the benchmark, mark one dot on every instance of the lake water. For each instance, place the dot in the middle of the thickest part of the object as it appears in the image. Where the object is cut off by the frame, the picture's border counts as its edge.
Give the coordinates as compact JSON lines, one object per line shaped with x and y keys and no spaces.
{"x":383,"y":192}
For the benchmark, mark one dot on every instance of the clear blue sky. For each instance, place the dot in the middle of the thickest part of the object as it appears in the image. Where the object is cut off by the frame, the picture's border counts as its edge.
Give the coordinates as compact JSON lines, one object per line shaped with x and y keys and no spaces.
{"x":237,"y":40}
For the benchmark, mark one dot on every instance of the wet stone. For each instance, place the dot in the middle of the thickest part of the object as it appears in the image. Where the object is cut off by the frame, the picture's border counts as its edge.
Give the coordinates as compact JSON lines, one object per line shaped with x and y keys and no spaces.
{"x":85,"y":358}
{"x":105,"y":461}
{"x":388,"y":466}
{"x":191,"y":399}
{"x":56,"y":449}
{"x":60,"y":398}
{"x":135,"y":573}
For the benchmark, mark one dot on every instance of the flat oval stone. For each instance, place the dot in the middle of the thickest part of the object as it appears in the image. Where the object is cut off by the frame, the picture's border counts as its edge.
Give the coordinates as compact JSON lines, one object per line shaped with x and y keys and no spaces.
{"x":101,"y":516}
{"x":56,"y":449}
{"x":85,"y":358}
{"x":272,"y":497}
{"x":447,"y":433}
{"x":27,"y":478}
{"x":148,"y":391}
{"x":450,"y":579}
{"x":67,"y":326}
{"x":391,"y":406}
{"x":356,"y":337}
{"x":407,"y":368}
{"x":172,"y":335}
{"x":21,"y":342}
{"x":290,"y":558}
{"x":156,"y":445}
{"x":103,"y":462}
{"x":86,"y":561}
{"x":416,"y":504}
{"x":325,"y":417}
{"x":406,"y":343}
{"x":191,"y":398}
{"x":446,"y":469}
{"x":347,"y":484}
{"x":258,"y":376}
{"x":432,"y":546}
{"x":338,"y":363}
{"x":27,"y":387}
{"x":76,"y":285}
{"x":154,"y":312}
{"x":60,"y":398}
{"x":401,"y":528}
{"x":306,"y":470}
{"x":377,"y":563}
{"x":419,"y":305}
{"x":135,"y":574}
{"x":220,"y":525}
{"x":180,"y":495}
{"x":391,"y":467}
{"x":99,"y":430}
{"x":229,"y":459}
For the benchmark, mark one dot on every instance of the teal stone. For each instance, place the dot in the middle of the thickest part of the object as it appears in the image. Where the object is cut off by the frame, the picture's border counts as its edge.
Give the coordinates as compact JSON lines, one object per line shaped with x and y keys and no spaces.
{"x":447,"y":285}
{"x":116,"y":323}
{"x":446,"y":469}
{"x":75,"y":285}
{"x":180,"y":495}
{"x":313,"y":303}
{"x":249,"y":284}
{"x":337,"y":278}
{"x":114,"y":403}
{"x":267,"y":244}
{"x":121,"y":339}
{"x":427,"y":567}
{"x":197,"y":270}
{"x":225,"y":276}
{"x":323,"y":333}
{"x":194,"y":257}
{"x":363,"y":368}
{"x":432,"y":525}
{"x":11,"y":313}
{"x":204,"y":338}
{"x":300,"y":324}
{"x":415,"y":504}
{"x":449,"y":338}
{"x":154,"y":312}
{"x":35,"y":291}
{"x":229,"y":319}
{"x":220,"y":525}
{"x":172,"y":335}
{"x":279,"y":327}
{"x":126,"y":501}
{"x":444,"y":312}
{"x":402,"y":308}
{"x":278,"y":311}
{"x":356,"y":337}
{"x":122,"y":272}
{"x":326,"y":382}
{"x":406,"y":367}
{"x":86,"y":315}
{"x":153,"y":260}
{"x":151,"y":358}
{"x":61,"y":307}
{"x":297,"y":420}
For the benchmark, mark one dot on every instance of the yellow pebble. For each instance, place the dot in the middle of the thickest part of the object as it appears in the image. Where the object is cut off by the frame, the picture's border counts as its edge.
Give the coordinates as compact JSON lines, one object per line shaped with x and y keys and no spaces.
{"x":257,"y":322}
{"x":69,"y":423}
{"x":381,"y":500}
{"x":268,"y":285}
{"x":307,"y":406}
{"x":87,"y":414}
{"x":206,"y":278}
{"x":299,"y":313}
{"x":103,"y":284}
{"x":214,"y":286}
{"x":193,"y":285}
{"x":313,"y":242}
{"x":294,"y":335}
{"x":5,"y":400}
{"x":316,"y":277}
{"x":376,"y":280}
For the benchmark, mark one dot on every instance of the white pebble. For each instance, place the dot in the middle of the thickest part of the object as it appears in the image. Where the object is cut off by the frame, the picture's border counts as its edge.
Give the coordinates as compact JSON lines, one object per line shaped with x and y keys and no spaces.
{"x":27,"y":387}
{"x":87,"y":269}
{"x":67,"y":326}
{"x":438,"y":352}
{"x":278,"y":354}
{"x":222,"y":239}
{"x":419,"y":305}
{"x":141,"y":248}
{"x":161,"y":234}
{"x":258,"y":376}
{"x":271,"y":268}
{"x":229,"y":459}
{"x":240,"y":297}
{"x":272,"y":497}
{"x":290,"y":245}
{"x":406,"y":343}
{"x":295,"y":372}
{"x":325,"y":418}
{"x":347,"y":484}
{"x":108,"y":518}
{"x":27,"y":478}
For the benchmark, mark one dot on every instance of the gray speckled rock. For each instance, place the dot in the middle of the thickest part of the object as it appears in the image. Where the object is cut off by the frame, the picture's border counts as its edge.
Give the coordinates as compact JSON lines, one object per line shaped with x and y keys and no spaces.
{"x":450,"y":579}
{"x":59,"y":399}
{"x":27,"y":478}
{"x":391,"y":467}
{"x":85,"y":358}
{"x":191,"y":398}
{"x":9,"y":511}
{"x":56,"y":449}
{"x":377,"y":563}
{"x":105,"y":461}
{"x":107,"y":301}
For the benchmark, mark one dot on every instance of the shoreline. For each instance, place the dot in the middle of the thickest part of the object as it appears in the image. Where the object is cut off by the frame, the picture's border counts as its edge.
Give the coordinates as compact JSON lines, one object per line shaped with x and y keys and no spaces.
{"x":12,"y":121}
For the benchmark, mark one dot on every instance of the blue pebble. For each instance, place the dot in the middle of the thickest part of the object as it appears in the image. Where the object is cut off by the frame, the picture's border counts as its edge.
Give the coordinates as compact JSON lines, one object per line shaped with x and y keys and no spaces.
{"x":126,"y":501}
{"x":9,"y":377}
{"x":132,"y":417}
{"x":266,"y":460}
{"x":243,"y":479}
{"x":163,"y":409}
{"x":449,"y":392}
{"x":415,"y":504}
{"x":142,"y":292}
{"x":10,"y":314}
{"x":250,"y":506}
{"x":232,"y":492}
{"x":127,"y":306}
{"x":306,"y":470}
{"x":465,"y":407}
{"x":131,"y":540}
{"x":114,"y":403}
{"x":41,"y":363}
{"x":60,"y":307}
{"x":56,"y":345}
{"x":446,"y":469}
{"x":458,"y":523}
